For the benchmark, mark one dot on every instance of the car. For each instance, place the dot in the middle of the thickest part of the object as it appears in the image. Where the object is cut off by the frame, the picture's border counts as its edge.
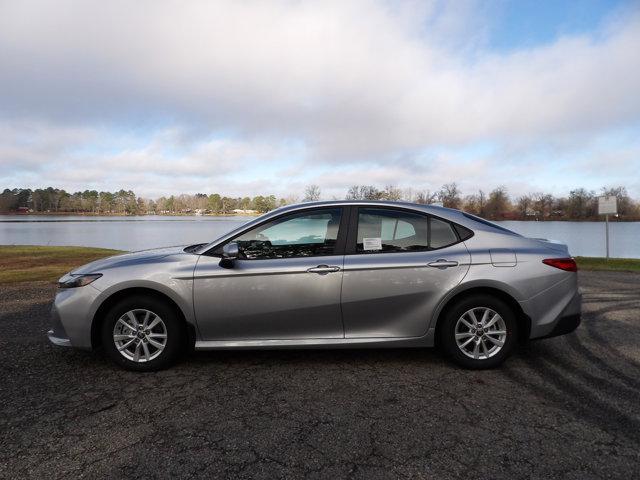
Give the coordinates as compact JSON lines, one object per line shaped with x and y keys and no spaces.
{"x":340,"y":274}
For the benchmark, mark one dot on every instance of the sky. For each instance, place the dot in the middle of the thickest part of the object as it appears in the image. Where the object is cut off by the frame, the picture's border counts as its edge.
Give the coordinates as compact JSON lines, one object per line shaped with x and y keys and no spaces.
{"x":247,"y":98}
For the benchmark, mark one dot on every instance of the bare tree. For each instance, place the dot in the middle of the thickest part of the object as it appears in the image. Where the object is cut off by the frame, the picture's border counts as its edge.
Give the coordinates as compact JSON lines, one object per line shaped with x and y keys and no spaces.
{"x":425,"y":197}
{"x":311,"y":193}
{"x":475,"y":203}
{"x":524,"y":204}
{"x":449,"y":195}
{"x":391,"y":192}
{"x":498,"y":203}
{"x":364,"y":192}
{"x":579,"y":202}
{"x":542,"y":204}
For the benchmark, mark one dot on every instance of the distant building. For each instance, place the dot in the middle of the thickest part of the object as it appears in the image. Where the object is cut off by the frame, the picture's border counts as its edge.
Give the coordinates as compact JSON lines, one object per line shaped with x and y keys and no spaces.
{"x":240,"y":211}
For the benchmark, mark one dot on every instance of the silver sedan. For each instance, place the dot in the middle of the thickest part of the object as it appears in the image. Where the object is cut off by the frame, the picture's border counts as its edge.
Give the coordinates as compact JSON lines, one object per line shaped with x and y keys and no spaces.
{"x":326,"y":275}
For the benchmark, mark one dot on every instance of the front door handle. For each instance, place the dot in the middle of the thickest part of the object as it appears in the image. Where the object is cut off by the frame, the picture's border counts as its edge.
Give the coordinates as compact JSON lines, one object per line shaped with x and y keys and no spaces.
{"x":442,"y":263}
{"x":323,"y":269}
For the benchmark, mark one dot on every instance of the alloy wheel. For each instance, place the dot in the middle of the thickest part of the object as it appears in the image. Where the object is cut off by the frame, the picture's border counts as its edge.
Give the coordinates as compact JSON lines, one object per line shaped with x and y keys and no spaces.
{"x":140,"y":335}
{"x":480,"y":333}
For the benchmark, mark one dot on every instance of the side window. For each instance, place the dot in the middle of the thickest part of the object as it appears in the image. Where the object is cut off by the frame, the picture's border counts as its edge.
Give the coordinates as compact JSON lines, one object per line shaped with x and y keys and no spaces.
{"x":442,"y":233}
{"x":305,"y":234}
{"x":386,"y":230}
{"x":383,"y":230}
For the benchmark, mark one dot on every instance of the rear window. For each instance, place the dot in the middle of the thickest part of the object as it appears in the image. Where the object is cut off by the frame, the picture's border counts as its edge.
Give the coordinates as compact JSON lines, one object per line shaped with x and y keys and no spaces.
{"x":442,"y":234}
{"x":490,"y":224}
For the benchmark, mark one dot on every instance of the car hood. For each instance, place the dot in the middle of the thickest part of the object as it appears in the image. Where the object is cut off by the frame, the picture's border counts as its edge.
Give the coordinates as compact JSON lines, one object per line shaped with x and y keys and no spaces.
{"x":127,"y":259}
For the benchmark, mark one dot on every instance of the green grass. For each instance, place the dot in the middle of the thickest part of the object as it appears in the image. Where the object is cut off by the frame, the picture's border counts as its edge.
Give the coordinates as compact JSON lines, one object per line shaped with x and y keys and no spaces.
{"x":22,"y":263}
{"x":614,"y":264}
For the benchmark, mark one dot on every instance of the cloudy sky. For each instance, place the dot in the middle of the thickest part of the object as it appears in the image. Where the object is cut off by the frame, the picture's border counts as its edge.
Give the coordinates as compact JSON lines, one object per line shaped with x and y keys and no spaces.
{"x":248,"y":98}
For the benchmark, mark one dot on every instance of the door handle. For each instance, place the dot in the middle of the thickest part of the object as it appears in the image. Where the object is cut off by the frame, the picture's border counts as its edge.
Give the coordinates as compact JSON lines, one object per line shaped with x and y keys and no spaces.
{"x":323,"y":269}
{"x":442,"y":263}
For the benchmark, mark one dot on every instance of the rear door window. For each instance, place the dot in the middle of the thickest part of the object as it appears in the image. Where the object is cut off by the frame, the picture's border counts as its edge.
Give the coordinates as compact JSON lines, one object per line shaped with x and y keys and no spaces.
{"x":383,"y":230}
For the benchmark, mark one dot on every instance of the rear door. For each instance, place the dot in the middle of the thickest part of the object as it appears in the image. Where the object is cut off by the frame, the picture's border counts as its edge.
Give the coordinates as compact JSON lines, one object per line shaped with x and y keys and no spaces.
{"x":398,"y":265}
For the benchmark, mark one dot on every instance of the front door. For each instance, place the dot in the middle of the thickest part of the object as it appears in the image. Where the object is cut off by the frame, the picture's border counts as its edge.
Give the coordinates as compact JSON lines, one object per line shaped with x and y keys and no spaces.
{"x":284,"y":285}
{"x":397,"y":268}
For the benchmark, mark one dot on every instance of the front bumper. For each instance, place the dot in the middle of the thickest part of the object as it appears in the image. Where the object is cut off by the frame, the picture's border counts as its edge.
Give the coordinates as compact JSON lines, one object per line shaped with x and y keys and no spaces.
{"x":57,"y":335}
{"x":71,"y":317}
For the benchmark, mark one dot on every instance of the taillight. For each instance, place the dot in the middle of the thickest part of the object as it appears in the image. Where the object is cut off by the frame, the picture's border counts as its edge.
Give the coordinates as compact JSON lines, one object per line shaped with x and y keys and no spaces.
{"x":566,"y":264}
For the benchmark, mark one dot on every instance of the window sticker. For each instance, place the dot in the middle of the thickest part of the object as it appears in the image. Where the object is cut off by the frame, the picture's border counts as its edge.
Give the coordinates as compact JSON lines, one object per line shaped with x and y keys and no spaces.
{"x":372,"y":243}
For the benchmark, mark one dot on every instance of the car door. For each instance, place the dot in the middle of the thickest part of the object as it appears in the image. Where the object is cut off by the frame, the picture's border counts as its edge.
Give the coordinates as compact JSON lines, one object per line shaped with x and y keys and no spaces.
{"x":285,"y":283}
{"x":398,"y":265}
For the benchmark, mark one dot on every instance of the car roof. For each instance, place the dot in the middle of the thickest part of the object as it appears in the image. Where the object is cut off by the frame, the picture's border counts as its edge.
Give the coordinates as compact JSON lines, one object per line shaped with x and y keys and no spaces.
{"x":434,"y":209}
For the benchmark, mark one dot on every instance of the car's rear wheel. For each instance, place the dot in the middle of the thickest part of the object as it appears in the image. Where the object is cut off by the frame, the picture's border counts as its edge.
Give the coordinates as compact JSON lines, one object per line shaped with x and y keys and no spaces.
{"x":479,"y":331}
{"x":143,"y":334}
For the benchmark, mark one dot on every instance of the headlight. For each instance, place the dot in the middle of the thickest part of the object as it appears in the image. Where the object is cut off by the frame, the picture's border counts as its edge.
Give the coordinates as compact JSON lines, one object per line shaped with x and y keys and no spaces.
{"x":79,"y":280}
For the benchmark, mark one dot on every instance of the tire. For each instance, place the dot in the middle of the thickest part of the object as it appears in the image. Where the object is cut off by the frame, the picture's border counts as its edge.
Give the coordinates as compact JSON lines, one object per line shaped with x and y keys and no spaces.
{"x":475,"y":348}
{"x":139,"y":349}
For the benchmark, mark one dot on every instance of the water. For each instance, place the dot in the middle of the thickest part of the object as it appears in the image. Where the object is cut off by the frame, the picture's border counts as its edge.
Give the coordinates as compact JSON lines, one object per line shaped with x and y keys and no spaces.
{"x":586,"y":239}
{"x":121,"y":233}
{"x":139,"y":233}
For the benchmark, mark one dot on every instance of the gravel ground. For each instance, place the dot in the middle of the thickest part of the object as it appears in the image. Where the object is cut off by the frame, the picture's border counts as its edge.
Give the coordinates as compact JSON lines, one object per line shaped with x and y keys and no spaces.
{"x":567,"y":407}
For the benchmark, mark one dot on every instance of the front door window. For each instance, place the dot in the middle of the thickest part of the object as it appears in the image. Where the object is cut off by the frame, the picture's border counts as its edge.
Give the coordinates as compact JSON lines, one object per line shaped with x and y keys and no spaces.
{"x":306,"y":234}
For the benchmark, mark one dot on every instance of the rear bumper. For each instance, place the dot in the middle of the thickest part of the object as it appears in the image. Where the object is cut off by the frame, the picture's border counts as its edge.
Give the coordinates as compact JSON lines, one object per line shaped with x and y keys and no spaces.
{"x":560,"y":323}
{"x":564,"y":325}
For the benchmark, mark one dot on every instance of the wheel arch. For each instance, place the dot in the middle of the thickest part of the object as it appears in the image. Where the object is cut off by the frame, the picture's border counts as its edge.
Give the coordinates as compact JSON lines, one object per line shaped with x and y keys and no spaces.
{"x":524,"y":321}
{"x":115,"y":297}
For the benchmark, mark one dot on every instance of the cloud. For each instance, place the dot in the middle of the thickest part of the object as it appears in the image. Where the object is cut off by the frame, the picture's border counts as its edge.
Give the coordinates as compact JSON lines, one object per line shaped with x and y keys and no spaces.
{"x":67,"y":157}
{"x":348,"y":83}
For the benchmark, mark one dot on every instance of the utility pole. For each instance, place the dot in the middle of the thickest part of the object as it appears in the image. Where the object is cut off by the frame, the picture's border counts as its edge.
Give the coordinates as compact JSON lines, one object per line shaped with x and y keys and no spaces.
{"x":606,"y":221}
{"x":607,"y":205}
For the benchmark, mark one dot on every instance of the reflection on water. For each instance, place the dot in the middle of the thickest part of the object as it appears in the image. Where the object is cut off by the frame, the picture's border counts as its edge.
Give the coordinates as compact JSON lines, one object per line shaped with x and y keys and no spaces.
{"x":139,"y":233}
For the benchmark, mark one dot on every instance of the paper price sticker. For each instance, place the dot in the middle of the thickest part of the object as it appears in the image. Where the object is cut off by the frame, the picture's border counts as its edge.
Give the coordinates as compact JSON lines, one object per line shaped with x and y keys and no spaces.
{"x":372,"y":243}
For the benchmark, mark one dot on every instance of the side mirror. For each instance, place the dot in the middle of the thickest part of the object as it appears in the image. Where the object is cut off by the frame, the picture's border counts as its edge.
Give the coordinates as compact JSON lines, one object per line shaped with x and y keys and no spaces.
{"x":230,"y":251}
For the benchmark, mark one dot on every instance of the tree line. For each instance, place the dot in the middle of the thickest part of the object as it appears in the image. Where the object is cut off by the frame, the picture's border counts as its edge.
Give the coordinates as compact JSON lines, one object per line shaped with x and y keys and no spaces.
{"x":497,"y":204}
{"x":126,"y":202}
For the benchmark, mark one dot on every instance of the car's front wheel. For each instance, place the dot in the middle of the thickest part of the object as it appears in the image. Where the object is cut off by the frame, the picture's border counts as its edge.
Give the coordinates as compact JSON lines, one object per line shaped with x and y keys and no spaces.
{"x":143,"y":334}
{"x":479,"y":331}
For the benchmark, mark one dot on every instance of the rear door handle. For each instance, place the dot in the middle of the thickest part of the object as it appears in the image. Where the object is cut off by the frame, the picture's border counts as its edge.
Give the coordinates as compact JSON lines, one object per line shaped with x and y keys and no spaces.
{"x":442,"y":263}
{"x":323,"y":269}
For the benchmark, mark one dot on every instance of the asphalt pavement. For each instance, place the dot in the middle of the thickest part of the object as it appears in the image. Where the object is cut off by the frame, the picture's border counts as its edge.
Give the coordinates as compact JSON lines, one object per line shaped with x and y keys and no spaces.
{"x":567,"y":407}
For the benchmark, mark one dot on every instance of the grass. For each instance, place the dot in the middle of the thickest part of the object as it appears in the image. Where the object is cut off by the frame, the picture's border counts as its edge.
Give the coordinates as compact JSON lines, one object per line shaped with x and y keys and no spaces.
{"x":23,"y":263}
{"x":613,"y":264}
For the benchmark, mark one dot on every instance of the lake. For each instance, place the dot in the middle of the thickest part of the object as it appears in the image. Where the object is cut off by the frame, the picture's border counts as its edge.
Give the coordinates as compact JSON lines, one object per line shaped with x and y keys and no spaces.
{"x":139,"y":233}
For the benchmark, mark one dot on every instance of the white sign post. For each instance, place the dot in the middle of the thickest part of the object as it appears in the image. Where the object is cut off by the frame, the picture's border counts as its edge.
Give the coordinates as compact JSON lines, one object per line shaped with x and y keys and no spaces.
{"x":607,"y":205}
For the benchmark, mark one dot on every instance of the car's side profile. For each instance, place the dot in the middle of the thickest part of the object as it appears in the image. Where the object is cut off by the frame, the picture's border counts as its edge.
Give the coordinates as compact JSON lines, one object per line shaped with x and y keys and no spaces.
{"x":326,"y":275}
